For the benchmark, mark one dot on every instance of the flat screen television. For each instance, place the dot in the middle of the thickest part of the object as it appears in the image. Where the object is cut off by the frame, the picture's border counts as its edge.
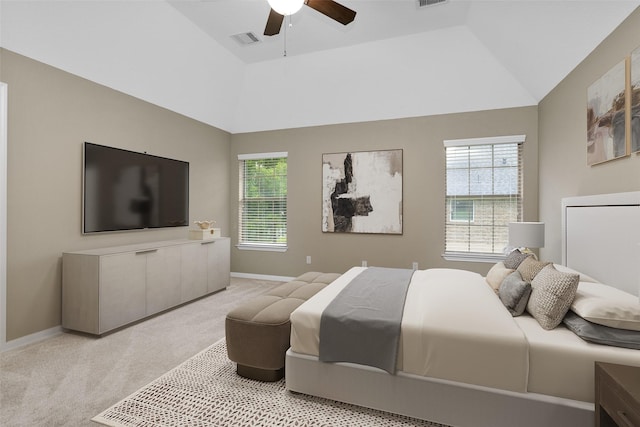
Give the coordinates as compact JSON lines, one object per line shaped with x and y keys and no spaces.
{"x":125,"y":190}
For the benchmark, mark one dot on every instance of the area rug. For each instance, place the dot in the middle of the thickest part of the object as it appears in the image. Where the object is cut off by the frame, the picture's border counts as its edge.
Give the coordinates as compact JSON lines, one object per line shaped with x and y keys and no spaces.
{"x":206,"y":391}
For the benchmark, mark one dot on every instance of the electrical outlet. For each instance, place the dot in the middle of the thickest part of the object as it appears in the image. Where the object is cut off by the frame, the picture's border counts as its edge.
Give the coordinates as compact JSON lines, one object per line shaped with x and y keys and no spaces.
{"x":415,"y":265}
{"x":364,"y":263}
{"x":308,"y":259}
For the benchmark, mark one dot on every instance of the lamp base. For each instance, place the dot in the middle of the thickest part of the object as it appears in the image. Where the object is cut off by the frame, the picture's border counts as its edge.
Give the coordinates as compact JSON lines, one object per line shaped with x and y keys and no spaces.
{"x":528,"y":252}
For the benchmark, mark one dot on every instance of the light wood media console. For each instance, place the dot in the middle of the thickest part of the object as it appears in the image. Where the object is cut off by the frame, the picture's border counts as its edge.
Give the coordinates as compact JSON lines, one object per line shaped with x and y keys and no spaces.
{"x":104,"y":289}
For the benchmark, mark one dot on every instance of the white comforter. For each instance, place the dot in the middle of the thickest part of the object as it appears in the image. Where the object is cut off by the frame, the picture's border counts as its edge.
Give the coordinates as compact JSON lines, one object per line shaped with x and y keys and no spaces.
{"x":454,"y":328}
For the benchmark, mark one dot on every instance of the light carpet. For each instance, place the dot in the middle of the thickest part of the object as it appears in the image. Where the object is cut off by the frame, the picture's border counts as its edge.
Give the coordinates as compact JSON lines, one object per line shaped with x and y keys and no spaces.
{"x":206,"y":391}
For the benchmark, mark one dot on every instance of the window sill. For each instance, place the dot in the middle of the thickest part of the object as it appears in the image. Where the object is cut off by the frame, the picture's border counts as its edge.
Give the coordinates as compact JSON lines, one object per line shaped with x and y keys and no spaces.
{"x":473,"y":257}
{"x":257,"y":247}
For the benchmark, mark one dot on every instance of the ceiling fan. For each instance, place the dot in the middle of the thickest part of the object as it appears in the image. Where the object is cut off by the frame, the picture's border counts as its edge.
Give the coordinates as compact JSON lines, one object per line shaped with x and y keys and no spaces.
{"x":280,"y":8}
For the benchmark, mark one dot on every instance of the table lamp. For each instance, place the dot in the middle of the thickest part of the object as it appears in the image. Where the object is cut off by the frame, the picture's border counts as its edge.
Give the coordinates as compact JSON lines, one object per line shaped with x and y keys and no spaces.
{"x":526,"y":235}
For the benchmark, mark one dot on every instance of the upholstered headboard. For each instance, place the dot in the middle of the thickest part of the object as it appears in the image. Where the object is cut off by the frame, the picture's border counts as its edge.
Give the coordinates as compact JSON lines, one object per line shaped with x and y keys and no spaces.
{"x":601,"y":238}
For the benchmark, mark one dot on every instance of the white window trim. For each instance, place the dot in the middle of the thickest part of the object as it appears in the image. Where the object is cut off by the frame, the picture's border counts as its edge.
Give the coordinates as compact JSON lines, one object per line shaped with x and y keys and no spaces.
{"x":473,"y":257}
{"x":267,"y":247}
{"x":258,"y":156}
{"x":491,"y":140}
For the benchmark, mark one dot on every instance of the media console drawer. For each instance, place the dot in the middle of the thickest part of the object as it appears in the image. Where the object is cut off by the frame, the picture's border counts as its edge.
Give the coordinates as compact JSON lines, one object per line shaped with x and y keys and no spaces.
{"x":617,"y":395}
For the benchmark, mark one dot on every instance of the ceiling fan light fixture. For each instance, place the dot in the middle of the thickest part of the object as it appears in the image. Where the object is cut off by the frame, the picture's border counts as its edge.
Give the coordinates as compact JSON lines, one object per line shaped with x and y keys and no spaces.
{"x":286,"y":7}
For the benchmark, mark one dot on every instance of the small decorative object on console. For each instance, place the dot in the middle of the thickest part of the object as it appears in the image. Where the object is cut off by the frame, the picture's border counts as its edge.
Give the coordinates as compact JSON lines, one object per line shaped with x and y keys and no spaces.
{"x":205,"y":232}
{"x":209,"y":233}
{"x":204,"y":225}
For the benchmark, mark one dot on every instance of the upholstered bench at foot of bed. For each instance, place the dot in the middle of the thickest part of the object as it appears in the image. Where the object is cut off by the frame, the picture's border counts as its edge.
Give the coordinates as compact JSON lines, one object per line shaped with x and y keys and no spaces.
{"x":257,"y":332}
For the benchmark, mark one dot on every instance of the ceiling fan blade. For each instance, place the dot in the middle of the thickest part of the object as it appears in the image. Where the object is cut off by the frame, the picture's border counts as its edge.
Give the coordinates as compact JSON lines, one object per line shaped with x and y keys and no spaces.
{"x":333,"y":10}
{"x":274,"y":23}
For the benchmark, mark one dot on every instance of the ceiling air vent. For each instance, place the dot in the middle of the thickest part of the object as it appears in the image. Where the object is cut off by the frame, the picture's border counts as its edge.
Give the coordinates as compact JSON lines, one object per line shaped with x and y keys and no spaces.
{"x":248,"y":38}
{"x":424,"y":3}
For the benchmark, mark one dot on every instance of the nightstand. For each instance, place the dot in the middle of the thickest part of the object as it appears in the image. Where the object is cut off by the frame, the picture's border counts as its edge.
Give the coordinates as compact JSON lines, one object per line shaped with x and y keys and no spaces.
{"x":617,"y":395}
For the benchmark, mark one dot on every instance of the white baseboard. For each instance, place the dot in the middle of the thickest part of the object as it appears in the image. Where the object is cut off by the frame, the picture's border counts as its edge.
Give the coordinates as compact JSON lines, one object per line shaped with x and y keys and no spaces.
{"x":31,"y":339}
{"x":262,"y":277}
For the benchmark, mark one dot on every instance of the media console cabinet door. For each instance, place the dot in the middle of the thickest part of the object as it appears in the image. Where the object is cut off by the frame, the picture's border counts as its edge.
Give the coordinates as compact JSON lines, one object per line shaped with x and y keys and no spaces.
{"x":122,"y":289}
{"x":163,"y":279}
{"x":193,"y":272}
{"x":218,"y":262}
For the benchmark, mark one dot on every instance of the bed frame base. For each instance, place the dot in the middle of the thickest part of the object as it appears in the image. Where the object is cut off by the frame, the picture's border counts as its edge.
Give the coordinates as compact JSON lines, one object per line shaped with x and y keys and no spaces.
{"x":439,"y":401}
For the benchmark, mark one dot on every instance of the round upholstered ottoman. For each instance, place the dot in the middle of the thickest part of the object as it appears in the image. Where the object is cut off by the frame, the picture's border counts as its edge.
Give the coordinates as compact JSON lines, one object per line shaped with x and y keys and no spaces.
{"x":257,"y":331}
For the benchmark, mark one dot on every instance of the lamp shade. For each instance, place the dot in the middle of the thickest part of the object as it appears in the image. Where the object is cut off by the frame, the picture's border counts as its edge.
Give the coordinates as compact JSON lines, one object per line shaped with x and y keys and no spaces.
{"x":286,"y":7}
{"x":526,"y":234}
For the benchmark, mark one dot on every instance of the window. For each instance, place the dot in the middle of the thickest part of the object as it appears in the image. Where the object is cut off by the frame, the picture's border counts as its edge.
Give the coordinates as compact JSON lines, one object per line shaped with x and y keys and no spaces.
{"x":483,"y":195}
{"x":262,"y":202}
{"x":461,"y":210}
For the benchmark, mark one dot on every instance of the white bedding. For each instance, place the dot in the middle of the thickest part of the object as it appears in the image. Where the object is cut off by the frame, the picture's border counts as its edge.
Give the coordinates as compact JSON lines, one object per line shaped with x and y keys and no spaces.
{"x":470,"y":339}
{"x":455,"y":328}
{"x":561,"y":364}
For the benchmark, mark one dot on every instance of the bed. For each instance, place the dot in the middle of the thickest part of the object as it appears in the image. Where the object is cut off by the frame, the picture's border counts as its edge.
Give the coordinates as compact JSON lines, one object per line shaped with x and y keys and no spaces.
{"x":495,"y":370}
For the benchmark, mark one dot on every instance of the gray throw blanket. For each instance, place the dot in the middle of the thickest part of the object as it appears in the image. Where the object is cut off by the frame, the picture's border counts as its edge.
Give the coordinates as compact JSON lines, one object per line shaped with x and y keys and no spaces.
{"x":362,"y":324}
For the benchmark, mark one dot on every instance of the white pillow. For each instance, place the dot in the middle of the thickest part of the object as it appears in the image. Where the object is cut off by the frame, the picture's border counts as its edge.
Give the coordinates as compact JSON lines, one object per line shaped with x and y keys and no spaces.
{"x":497,"y":274}
{"x":606,"y":305}
{"x":583,"y":277}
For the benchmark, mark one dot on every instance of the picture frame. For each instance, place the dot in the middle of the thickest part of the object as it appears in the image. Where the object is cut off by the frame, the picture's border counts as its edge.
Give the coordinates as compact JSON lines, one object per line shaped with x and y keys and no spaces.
{"x":606,"y":116}
{"x":362,"y":192}
{"x":634,"y":94}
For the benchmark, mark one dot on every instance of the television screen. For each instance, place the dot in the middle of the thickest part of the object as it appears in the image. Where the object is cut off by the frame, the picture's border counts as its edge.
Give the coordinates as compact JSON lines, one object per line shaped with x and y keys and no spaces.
{"x":125,"y":190}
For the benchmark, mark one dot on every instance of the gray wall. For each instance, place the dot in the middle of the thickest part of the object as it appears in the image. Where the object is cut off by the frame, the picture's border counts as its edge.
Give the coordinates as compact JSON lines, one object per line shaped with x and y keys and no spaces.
{"x":563,"y":137}
{"x":51,"y":113}
{"x":423,"y":202}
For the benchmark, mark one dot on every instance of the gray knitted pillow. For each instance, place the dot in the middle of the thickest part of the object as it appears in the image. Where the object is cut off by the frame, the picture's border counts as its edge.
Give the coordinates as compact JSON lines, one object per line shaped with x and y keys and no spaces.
{"x":551,"y":296}
{"x":514,"y":293}
{"x":514,"y":259}
{"x":529,"y":267}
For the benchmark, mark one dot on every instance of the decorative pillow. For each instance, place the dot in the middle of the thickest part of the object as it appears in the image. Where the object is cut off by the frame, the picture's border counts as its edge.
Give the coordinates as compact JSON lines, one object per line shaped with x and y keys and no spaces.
{"x":514,"y":259}
{"x":514,"y":293}
{"x":600,"y":334}
{"x":551,"y":296}
{"x":496,"y":275}
{"x":529,"y":267}
{"x":606,"y":305}
{"x":583,"y":277}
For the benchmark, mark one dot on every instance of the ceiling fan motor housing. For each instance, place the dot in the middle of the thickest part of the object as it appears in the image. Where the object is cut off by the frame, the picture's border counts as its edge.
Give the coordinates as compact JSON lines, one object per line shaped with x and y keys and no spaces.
{"x":329,"y":8}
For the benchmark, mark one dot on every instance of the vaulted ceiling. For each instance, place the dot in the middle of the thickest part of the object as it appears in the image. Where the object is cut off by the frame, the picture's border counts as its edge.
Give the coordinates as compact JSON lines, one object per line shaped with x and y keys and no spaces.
{"x":395,"y":60}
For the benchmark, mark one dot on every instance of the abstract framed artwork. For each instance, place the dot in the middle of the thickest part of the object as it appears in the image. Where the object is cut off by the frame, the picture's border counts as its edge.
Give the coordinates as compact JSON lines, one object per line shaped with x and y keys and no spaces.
{"x":362,"y":192}
{"x":606,"y":116}
{"x":635,"y":100}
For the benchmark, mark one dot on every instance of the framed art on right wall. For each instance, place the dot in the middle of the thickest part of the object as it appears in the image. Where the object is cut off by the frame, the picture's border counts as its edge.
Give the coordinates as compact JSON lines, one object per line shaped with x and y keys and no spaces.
{"x":606,"y":116}
{"x":635,"y":101}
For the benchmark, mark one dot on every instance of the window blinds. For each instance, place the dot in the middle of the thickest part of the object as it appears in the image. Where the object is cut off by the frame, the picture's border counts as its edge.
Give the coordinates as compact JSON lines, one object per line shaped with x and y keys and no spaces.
{"x":262,"y":199}
{"x":483,"y":193}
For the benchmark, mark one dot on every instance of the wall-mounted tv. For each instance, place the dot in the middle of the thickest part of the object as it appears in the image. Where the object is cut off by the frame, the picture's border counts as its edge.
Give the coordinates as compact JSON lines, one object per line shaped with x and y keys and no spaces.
{"x":125,"y":190}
